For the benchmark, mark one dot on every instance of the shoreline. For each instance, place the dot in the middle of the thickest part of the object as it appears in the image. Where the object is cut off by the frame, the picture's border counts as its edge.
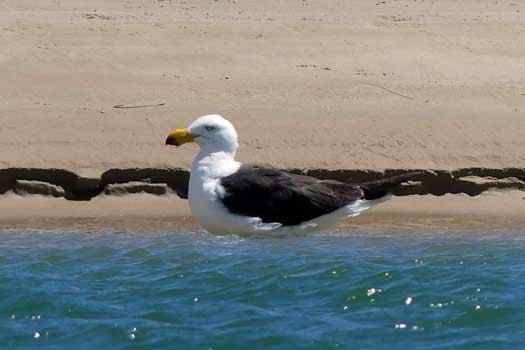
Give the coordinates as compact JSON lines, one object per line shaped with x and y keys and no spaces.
{"x":494,"y":210}
{"x":152,"y":199}
{"x":159,"y":181}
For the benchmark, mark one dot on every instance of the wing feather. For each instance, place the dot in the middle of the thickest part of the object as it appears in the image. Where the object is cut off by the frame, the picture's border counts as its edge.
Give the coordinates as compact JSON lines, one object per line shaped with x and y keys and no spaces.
{"x":278,"y":196}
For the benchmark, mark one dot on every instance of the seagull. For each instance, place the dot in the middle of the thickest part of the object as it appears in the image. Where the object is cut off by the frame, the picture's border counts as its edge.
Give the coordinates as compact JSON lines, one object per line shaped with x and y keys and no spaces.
{"x":229,"y":197}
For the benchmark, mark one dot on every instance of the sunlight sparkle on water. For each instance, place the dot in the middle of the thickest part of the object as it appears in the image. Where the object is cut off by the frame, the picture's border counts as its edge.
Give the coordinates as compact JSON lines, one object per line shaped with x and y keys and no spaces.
{"x":66,"y":290}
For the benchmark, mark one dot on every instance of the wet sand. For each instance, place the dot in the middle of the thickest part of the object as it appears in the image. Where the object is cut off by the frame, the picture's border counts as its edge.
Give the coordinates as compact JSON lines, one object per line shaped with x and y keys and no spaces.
{"x":148,"y":213}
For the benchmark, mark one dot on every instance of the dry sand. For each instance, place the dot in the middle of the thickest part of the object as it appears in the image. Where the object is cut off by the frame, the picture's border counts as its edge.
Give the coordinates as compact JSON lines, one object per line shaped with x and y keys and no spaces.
{"x":322,"y":84}
{"x":325,"y":84}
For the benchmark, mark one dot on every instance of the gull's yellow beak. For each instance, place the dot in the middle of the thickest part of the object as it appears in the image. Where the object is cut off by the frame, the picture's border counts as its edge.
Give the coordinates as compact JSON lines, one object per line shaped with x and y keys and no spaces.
{"x":178,"y":137}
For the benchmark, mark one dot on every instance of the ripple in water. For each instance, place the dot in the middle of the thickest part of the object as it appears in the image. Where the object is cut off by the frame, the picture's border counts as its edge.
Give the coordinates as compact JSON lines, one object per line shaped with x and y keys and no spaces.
{"x":85,"y":290}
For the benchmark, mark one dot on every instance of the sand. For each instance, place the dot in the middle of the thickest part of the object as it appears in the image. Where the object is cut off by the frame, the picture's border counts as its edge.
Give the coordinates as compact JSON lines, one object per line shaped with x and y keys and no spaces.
{"x":491,"y":211}
{"x":308,"y":84}
{"x":325,"y":84}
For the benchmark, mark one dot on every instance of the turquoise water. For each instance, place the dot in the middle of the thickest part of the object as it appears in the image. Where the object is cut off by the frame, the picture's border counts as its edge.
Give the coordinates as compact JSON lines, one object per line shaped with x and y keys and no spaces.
{"x":110,"y":290}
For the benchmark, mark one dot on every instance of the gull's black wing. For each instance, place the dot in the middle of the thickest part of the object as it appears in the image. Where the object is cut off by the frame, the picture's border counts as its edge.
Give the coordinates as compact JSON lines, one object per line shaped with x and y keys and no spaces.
{"x":278,"y":196}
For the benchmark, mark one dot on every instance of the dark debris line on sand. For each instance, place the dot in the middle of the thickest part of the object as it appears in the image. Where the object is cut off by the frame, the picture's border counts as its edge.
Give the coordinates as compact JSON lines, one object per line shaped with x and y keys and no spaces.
{"x":159,"y":181}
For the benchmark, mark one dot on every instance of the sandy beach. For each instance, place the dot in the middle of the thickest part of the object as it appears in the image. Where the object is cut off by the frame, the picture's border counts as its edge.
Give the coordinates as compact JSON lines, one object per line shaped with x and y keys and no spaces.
{"x":333,"y":84}
{"x":92,"y":86}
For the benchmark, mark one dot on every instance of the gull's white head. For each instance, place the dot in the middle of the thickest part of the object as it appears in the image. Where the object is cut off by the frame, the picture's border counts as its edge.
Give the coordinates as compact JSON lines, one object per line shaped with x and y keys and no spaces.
{"x":212,"y":132}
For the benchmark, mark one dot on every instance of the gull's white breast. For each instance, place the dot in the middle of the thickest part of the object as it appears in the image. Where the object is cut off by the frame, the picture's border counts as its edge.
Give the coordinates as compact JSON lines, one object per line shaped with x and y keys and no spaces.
{"x":205,"y":191}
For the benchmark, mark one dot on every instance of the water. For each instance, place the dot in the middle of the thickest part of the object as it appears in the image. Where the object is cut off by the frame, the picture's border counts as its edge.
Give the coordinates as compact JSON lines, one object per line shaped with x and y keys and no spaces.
{"x":109,"y":290}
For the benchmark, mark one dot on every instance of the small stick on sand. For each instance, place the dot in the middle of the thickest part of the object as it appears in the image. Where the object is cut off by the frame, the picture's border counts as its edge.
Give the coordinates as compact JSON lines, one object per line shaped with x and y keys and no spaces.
{"x":388,"y":90}
{"x":139,"y":106}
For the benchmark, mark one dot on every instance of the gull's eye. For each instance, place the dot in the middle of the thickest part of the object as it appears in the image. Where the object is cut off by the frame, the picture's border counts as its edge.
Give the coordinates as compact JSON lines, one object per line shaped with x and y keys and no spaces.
{"x":210,"y":128}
